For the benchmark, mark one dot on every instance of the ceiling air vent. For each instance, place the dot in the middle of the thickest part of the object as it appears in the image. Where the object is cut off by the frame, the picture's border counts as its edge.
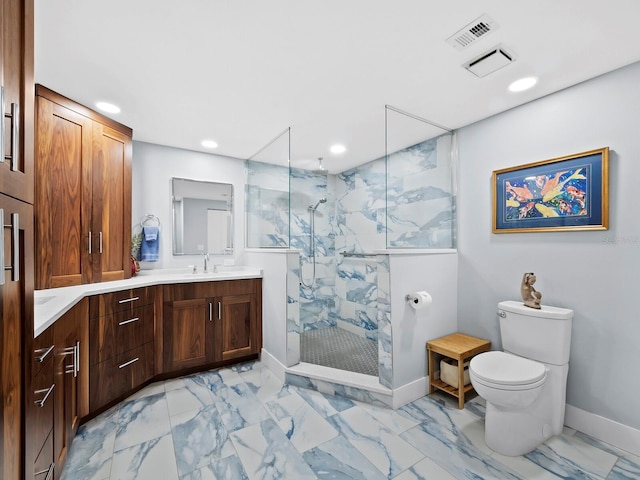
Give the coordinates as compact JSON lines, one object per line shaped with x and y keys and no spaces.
{"x":490,"y":61}
{"x":477,"y":29}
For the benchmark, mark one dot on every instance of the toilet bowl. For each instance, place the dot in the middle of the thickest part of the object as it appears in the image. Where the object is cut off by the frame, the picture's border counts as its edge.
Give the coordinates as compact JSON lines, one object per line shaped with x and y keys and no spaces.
{"x":524,"y":386}
{"x":507,"y":380}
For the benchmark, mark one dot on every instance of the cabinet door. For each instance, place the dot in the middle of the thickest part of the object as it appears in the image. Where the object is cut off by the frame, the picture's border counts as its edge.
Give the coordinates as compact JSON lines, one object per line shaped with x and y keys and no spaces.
{"x":16,"y":79}
{"x":69,"y":394}
{"x":16,"y":327}
{"x":238,"y":319}
{"x":111,"y":207}
{"x":188,"y":333}
{"x":63,"y":196}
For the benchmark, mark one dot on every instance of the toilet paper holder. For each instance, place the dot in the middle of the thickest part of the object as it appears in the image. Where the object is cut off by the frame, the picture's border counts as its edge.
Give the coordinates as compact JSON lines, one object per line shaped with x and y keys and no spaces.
{"x":411,"y":298}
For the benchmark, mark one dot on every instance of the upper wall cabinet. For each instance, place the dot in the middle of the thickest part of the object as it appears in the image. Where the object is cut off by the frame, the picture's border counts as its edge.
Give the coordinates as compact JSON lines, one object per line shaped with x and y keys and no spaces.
{"x":16,"y":80}
{"x":83,"y":194}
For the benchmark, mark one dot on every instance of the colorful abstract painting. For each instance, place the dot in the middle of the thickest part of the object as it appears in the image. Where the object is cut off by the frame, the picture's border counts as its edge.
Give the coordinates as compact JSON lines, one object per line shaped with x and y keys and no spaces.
{"x":564,"y":193}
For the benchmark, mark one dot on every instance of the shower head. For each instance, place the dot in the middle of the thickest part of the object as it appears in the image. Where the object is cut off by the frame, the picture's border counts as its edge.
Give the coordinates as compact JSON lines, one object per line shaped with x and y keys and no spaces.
{"x":321,"y":170}
{"x":314,"y":207}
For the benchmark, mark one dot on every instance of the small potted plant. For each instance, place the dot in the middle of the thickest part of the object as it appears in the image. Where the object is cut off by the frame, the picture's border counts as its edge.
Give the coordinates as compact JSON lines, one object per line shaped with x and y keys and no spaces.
{"x":136,"y":241}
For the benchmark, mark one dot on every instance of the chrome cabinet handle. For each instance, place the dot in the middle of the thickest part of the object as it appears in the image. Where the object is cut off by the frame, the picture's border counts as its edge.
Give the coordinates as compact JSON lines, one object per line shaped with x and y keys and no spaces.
{"x":49,"y":472}
{"x":77,"y":357}
{"x":124,"y":322}
{"x":219,"y":310}
{"x":73,"y":368}
{"x":126,"y":364}
{"x":15,"y":139}
{"x":14,"y":154}
{"x":100,"y":241}
{"x":46,"y":395}
{"x":210,"y":311}
{"x":127,"y":300}
{"x":90,"y":252}
{"x":45,"y":353}
{"x":15,"y":241}
{"x":2,"y":117}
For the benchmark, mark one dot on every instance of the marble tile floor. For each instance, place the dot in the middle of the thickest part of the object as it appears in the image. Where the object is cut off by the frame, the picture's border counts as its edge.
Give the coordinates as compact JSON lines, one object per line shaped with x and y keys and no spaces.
{"x":242,"y":423}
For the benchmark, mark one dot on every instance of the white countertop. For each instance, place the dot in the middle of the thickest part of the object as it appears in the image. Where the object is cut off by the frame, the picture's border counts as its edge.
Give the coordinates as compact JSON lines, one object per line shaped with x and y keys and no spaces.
{"x":52,"y":303}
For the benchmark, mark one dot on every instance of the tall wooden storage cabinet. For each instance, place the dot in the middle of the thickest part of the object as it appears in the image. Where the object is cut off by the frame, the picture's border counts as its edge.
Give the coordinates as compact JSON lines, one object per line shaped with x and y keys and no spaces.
{"x":83,"y":194}
{"x":16,"y":231}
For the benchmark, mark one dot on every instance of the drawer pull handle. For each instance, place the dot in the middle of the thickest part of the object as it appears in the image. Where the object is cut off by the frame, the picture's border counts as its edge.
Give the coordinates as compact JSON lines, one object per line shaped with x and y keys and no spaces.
{"x":90,"y":251}
{"x":127,"y":300}
{"x":125,"y":364}
{"x":46,"y":395}
{"x":219,"y":310}
{"x":100,"y":241}
{"x":15,"y":242}
{"x":44,"y":352}
{"x":49,"y":472}
{"x":124,"y":322}
{"x":210,"y":311}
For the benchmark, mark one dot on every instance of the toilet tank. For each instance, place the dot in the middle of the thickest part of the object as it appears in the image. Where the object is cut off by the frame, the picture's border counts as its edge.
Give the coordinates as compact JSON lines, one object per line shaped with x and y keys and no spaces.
{"x":543,"y":335}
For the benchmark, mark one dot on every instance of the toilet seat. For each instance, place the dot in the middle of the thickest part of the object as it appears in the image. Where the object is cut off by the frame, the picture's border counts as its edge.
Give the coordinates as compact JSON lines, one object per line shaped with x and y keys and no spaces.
{"x":506,"y":371}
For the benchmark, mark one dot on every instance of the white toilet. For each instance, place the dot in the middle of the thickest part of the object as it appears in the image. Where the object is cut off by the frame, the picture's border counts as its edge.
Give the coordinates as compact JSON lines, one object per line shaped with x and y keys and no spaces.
{"x":524,"y":386}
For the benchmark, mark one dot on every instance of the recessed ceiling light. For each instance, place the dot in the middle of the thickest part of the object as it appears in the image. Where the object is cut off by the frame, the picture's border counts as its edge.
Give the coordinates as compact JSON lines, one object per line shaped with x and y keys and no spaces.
{"x":337,"y":149}
{"x":523,"y":84}
{"x":108,"y":107}
{"x":209,"y":144}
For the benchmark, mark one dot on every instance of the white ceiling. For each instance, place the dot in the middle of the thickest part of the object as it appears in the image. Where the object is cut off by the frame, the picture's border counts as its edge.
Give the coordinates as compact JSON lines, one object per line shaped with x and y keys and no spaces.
{"x":241,"y":72}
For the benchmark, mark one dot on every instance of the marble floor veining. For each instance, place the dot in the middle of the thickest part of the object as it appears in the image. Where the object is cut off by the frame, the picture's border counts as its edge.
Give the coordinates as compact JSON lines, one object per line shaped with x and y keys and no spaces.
{"x":243,"y":423}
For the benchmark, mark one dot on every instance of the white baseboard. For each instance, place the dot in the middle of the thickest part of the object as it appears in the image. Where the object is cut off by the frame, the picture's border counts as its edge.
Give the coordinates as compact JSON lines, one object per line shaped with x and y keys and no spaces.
{"x":410,"y":392}
{"x":273,"y":364}
{"x":608,"y":431}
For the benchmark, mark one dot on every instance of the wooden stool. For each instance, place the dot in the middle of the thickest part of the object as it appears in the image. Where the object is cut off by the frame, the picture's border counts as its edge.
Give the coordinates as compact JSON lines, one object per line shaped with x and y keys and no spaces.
{"x":459,"y":347}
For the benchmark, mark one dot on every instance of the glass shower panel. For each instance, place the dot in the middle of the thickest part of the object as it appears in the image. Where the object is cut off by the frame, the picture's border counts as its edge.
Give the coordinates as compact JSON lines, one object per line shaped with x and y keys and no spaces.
{"x":420,"y":197}
{"x":267,"y":195}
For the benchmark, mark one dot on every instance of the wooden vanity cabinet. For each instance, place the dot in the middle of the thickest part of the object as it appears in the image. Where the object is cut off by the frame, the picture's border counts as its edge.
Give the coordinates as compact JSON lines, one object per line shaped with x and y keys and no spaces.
{"x":121,"y":339}
{"x":82,"y":194}
{"x":206,"y":323}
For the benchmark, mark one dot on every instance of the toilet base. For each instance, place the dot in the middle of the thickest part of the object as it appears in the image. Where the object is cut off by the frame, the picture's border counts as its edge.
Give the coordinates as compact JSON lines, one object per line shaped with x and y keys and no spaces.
{"x":513,"y":433}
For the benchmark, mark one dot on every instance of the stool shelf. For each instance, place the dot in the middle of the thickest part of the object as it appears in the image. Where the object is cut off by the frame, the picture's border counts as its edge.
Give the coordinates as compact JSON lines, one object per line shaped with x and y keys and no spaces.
{"x":460,"y":347}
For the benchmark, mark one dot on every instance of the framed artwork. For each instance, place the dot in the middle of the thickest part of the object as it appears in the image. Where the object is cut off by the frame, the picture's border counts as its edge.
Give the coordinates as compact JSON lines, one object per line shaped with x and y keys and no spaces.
{"x":560,"y":194}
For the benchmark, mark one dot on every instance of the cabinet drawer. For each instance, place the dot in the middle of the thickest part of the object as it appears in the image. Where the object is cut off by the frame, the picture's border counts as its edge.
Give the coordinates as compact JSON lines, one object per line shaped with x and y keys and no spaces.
{"x":133,"y":328}
{"x":43,"y":395}
{"x":119,"y":375}
{"x":129,"y":299}
{"x":123,"y":301}
{"x":44,"y":463}
{"x":116,"y":334}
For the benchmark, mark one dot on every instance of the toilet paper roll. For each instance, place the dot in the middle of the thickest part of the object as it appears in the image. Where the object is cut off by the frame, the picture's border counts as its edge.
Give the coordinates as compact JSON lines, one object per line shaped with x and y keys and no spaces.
{"x":420,"y":300}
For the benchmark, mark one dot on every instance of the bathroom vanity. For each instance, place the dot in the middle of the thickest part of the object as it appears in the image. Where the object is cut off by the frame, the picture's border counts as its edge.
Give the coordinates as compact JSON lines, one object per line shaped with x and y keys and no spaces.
{"x":96,"y":344}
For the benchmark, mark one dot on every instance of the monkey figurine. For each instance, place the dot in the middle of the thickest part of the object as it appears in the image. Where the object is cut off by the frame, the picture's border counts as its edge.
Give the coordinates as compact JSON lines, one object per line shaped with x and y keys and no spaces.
{"x":530,"y":296}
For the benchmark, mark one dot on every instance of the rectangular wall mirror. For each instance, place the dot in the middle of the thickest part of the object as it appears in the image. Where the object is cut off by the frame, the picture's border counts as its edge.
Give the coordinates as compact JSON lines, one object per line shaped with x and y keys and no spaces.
{"x":202,"y":217}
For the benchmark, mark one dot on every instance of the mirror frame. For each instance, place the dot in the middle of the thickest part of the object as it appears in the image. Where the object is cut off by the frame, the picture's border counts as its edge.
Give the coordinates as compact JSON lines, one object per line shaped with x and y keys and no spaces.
{"x":174,"y":227}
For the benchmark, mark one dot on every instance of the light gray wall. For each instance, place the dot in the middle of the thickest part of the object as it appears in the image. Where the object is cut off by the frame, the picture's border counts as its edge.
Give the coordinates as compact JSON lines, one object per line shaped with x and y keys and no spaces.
{"x":596,"y":272}
{"x":153,"y":168}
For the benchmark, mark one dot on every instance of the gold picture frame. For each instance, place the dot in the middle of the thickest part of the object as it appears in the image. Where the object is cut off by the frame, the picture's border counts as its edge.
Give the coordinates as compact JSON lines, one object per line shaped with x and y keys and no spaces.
{"x":567,"y":193}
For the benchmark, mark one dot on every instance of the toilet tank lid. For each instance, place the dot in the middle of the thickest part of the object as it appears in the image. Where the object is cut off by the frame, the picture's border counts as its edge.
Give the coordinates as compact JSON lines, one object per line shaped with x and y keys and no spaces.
{"x":545,"y":311}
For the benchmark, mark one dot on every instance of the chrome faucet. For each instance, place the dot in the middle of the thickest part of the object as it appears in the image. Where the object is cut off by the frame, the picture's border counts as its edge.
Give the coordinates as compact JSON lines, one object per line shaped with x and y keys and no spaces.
{"x":206,"y":262}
